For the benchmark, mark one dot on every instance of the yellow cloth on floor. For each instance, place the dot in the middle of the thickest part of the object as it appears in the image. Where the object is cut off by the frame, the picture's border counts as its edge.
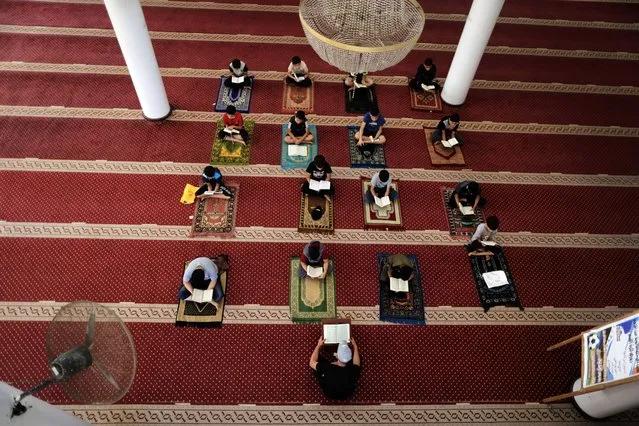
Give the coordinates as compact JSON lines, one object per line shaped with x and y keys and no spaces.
{"x":188,"y":196}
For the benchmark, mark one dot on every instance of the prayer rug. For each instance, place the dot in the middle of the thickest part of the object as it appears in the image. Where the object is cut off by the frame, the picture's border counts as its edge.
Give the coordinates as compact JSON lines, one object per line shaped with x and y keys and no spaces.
{"x":428,"y":100}
{"x":299,"y":161}
{"x":361,"y":159}
{"x":442,"y":156}
{"x":381,"y":217}
{"x":239,"y":98}
{"x":360,"y":100}
{"x":505,"y":295}
{"x":215,"y":216}
{"x":297,"y":98}
{"x":229,"y":152}
{"x":462,"y":227}
{"x":403,"y":308}
{"x":202,"y":315}
{"x":311,"y":300}
{"x":323,"y":224}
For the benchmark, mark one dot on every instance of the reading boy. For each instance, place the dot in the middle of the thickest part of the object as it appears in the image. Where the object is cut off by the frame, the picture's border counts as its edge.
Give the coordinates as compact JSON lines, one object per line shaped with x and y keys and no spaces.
{"x":201,"y":274}
{"x":381,"y":187}
{"x":318,"y":170}
{"x":338,"y":379}
{"x":482,"y":242}
{"x":314,"y":255}
{"x":358,"y":81}
{"x":466,"y":194}
{"x":239,"y":70}
{"x":370,"y":131}
{"x":297,"y":73}
{"x":213,"y":184}
{"x":425,"y":76}
{"x":233,"y":126}
{"x":447,"y":129}
{"x":297,"y":132}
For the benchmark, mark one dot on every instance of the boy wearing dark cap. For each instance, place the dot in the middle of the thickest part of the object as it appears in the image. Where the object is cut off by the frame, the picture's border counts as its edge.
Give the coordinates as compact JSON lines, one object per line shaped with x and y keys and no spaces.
{"x":298,"y":130}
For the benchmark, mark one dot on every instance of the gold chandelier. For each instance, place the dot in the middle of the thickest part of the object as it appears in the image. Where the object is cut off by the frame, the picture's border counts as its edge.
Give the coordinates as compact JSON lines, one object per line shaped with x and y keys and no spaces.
{"x":362,"y":35}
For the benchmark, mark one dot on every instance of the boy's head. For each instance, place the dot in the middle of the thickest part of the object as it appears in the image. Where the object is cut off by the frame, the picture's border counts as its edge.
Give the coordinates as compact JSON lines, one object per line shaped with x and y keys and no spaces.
{"x":384,"y":175}
{"x":374,"y":111}
{"x":428,"y":62}
{"x":314,"y":250}
{"x":320,"y":161}
{"x":317,"y":213}
{"x":300,"y":116}
{"x":454,"y":117}
{"x":236,"y":63}
{"x":492,"y":222}
{"x":296,"y":60}
{"x":197,"y":279}
{"x":230,"y":110}
{"x":473,"y":187}
{"x":402,"y":272}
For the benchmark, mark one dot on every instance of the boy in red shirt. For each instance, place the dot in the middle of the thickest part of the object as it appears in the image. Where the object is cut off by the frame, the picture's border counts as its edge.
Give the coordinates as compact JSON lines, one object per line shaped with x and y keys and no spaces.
{"x":233,"y":126}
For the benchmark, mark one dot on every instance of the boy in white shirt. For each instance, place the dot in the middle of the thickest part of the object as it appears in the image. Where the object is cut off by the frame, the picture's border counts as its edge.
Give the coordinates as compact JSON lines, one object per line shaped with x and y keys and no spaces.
{"x":298,"y":73}
{"x":485,"y":232}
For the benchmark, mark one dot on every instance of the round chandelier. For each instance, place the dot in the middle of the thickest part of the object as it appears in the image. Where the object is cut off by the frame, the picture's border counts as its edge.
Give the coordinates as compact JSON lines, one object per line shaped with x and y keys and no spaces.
{"x":362,"y":35}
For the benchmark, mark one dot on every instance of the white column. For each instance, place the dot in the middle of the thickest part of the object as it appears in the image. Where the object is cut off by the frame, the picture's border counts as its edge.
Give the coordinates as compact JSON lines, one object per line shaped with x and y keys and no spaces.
{"x":608,"y":402}
{"x":133,"y":36}
{"x":479,"y":26}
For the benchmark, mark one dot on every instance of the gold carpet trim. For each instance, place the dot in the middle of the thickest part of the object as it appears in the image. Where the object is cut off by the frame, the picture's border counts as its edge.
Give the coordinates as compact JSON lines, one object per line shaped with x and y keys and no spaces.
{"x":257,"y":234}
{"x":387,"y":414}
{"x":450,"y":17}
{"x":325,"y":120}
{"x":293,"y":40}
{"x":321,"y":77}
{"x":419,"y":175}
{"x":360,"y":315}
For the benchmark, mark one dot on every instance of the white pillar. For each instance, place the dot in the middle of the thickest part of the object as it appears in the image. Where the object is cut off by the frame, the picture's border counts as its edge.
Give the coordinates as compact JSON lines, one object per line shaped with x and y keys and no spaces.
{"x":608,"y":402}
{"x":479,"y":26}
{"x":133,"y":36}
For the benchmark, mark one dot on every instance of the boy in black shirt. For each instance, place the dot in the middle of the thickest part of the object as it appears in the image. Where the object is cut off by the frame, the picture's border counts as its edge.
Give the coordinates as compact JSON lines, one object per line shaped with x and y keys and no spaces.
{"x":466,"y":193}
{"x":338,"y":379}
{"x":298,"y":130}
{"x":318,"y":170}
{"x":447,"y":129}
{"x":425,"y":76}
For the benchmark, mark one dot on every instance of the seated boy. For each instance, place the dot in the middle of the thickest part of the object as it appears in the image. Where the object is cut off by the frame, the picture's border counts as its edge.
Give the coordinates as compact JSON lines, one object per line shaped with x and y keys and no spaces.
{"x":233,"y":126}
{"x":297,"y":73}
{"x":238,"y":70}
{"x":370,"y":131}
{"x":381,"y":187}
{"x":468,"y":194}
{"x":358,"y":81}
{"x":298,"y":130}
{"x":447,"y":129}
{"x":485,"y":232}
{"x":425,"y":76}
{"x":315,"y":255}
{"x":318,"y":170}
{"x":213,"y":184}
{"x":201,"y":274}
{"x":338,"y":379}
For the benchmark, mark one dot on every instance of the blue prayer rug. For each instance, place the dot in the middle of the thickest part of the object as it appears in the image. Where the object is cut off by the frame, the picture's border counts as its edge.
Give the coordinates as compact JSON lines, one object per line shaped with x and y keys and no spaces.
{"x":239,"y":98}
{"x":402,"y":308}
{"x":298,"y":161}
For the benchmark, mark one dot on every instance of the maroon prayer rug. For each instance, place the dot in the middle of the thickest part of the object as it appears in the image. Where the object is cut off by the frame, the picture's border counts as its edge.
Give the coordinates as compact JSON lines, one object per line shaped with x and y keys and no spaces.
{"x":216,"y":216}
{"x":428,"y":100}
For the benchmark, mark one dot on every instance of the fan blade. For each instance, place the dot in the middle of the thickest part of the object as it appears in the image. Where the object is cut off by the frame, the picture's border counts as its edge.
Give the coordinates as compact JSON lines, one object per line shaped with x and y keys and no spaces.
{"x":105,"y":373}
{"x":88,"y":338}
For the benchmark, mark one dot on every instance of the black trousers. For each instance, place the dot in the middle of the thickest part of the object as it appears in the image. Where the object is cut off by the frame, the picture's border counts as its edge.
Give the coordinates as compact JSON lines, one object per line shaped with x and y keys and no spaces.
{"x":304,"y":83}
{"x":243,"y":133}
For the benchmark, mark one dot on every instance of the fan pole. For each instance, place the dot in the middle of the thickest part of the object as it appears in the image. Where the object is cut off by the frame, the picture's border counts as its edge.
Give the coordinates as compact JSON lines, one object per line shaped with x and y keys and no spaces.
{"x":18,"y":408}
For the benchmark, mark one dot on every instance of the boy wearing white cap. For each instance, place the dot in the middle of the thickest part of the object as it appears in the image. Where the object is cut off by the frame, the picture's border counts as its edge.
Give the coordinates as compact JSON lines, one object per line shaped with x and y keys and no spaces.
{"x":338,"y":379}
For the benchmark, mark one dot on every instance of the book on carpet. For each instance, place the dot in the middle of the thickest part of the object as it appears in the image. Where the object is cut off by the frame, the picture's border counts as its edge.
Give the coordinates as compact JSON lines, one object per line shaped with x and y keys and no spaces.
{"x":297,"y":150}
{"x":319,"y":185}
{"x":314,"y":271}
{"x":231,"y":131}
{"x":237,"y":80}
{"x":466,"y":210}
{"x":202,"y":296}
{"x":382,"y":202}
{"x":495,"y":278}
{"x":450,"y":142}
{"x":336,"y":333}
{"x":428,"y":87}
{"x":489,"y":243}
{"x":398,"y":285}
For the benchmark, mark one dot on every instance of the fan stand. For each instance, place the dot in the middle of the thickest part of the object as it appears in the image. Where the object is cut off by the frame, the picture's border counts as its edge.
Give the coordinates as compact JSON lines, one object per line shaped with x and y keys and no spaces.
{"x":18,"y":407}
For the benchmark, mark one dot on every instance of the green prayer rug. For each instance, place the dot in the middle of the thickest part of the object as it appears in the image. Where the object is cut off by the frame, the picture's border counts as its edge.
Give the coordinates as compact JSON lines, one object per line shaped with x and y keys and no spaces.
{"x":311,"y":300}
{"x":226,"y":152}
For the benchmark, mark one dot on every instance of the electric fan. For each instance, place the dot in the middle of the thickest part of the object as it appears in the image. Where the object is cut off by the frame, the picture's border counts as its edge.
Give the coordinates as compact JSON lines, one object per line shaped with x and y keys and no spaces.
{"x":91,"y":355}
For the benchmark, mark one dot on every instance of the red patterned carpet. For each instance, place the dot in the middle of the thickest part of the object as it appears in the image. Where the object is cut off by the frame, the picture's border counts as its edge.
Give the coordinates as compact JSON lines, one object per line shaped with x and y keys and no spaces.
{"x":267,"y":362}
